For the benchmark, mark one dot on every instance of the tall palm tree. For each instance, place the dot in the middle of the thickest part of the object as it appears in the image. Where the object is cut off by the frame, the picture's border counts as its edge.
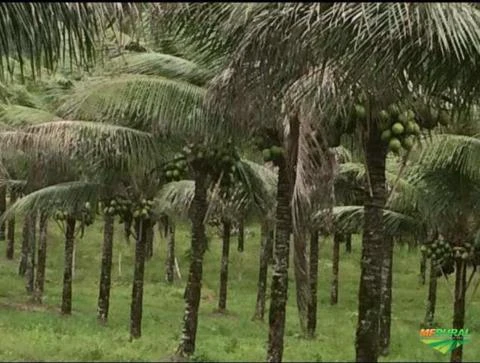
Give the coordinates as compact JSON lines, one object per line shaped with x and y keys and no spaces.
{"x":357,"y":38}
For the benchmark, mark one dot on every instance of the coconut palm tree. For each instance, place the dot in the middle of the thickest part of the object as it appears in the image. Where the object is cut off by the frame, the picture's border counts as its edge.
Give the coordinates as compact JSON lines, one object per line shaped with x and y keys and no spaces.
{"x":342,"y":34}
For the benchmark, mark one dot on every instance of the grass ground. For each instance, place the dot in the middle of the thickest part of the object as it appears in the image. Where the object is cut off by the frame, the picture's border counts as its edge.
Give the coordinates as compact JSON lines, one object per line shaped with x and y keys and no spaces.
{"x":41,"y":334}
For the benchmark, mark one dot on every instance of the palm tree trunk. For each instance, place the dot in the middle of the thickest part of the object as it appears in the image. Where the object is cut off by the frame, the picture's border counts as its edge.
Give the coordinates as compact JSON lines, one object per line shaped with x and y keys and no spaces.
{"x":300,"y":264}
{"x":106,"y":270}
{"x":3,"y":207}
{"x":22,"y":267}
{"x":136,"y":310}
{"x":459,"y":304}
{"x":271,"y":238}
{"x":348,"y":243}
{"x":11,"y":230}
{"x":335,"y":264}
{"x":30,"y":268}
{"x":149,"y":243}
{"x":68,"y":266}
{"x":386,"y":298}
{"x":194,"y":283}
{"x":313,"y":278}
{"x":432,"y":296}
{"x":222,"y":302}
{"x":42,"y":258}
{"x":279,"y":287}
{"x":266,"y":246}
{"x":241,"y":234}
{"x":170,"y":261}
{"x":423,"y":268}
{"x":372,"y":243}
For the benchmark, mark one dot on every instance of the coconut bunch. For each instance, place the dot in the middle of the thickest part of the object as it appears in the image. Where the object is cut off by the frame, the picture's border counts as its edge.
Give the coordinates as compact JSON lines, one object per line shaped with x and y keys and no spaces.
{"x":126,"y":209}
{"x":399,"y":128}
{"x":177,"y":169}
{"x":268,"y":142}
{"x":438,"y":251}
{"x":223,"y":160}
{"x":84,"y":215}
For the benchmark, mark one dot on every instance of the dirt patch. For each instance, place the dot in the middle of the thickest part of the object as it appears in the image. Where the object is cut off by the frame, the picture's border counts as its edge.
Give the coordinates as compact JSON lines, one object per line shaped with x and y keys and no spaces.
{"x":29,"y":306}
{"x":223,"y":314}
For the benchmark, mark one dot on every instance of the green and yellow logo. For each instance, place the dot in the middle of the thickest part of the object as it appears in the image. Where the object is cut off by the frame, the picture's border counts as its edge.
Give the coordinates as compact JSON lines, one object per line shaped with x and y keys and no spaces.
{"x":444,"y":340}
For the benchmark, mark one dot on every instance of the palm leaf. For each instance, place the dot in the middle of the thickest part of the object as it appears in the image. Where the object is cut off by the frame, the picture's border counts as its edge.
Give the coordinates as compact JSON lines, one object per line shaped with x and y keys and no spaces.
{"x":154,"y":104}
{"x":349,"y":219}
{"x":16,"y":115}
{"x":161,"y":65}
{"x":66,"y":196}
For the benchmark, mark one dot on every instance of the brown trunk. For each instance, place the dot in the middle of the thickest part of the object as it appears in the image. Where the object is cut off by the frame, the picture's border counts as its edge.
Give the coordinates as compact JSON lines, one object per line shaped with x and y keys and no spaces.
{"x":11,"y":230}
{"x":313,"y":278}
{"x":170,"y":261}
{"x":241,"y":235}
{"x":371,"y":263}
{"x":348,"y":243}
{"x":31,"y":251}
{"x":266,"y":245}
{"x":386,"y":298}
{"x":105,"y":270}
{"x":222,"y":302}
{"x":459,"y":304}
{"x":423,"y":268}
{"x":270,"y":245}
{"x":279,"y":286}
{"x":432,"y":297}
{"x":22,"y":267}
{"x":68,"y":266}
{"x":42,"y":258}
{"x":194,"y":284}
{"x":3,"y":207}
{"x":136,"y":310}
{"x":149,"y":243}
{"x":337,"y":238}
{"x":300,"y":264}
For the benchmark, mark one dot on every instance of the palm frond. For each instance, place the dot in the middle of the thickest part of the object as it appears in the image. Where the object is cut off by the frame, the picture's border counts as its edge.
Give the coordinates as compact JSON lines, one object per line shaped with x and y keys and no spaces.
{"x":149,"y":103}
{"x":174,"y":198}
{"x":349,"y":219}
{"x":161,"y":65}
{"x":40,"y":34}
{"x":70,"y":196}
{"x":16,"y":115}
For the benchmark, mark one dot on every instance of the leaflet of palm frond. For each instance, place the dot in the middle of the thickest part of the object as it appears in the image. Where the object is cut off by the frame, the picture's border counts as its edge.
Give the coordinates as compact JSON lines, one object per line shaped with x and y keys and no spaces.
{"x":13,"y":184}
{"x":349,"y":219}
{"x":202,"y":27}
{"x":38,"y":34}
{"x":19,"y":95}
{"x":68,"y":196}
{"x":342,"y":154}
{"x":149,"y":103}
{"x":174,"y":198}
{"x":161,"y":65}
{"x":260,"y":184}
{"x":16,"y":115}
{"x":446,"y":197}
{"x":114,"y":145}
{"x":456,"y":153}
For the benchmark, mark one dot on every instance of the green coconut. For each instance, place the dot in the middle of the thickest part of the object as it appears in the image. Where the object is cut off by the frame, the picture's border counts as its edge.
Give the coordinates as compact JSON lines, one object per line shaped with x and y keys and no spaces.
{"x":267,"y":155}
{"x":395,"y":144}
{"x":360,"y":112}
{"x":398,"y":128}
{"x":386,"y":135}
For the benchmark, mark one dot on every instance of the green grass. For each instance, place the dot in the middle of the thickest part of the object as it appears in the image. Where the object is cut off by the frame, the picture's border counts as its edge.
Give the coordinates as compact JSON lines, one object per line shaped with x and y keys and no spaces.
{"x":44,"y":335}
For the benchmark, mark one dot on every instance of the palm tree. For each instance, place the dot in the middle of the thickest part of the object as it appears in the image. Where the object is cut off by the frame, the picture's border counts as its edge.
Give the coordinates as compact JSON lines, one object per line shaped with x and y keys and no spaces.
{"x":353,"y":36}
